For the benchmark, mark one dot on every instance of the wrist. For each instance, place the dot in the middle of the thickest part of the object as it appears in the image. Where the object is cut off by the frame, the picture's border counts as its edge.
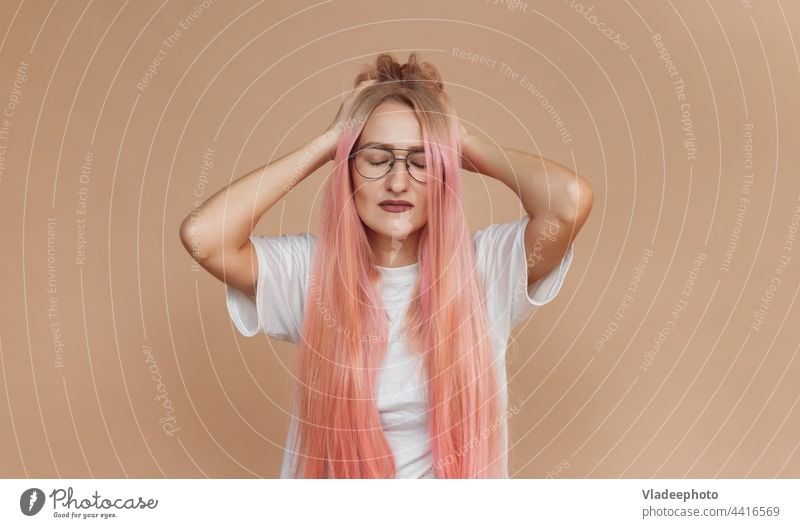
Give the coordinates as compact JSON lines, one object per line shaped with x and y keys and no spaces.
{"x":326,"y":143}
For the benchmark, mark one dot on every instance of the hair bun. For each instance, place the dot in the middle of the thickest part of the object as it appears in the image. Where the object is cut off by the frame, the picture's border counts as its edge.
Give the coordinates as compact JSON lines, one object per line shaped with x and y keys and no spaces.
{"x":387,"y":69}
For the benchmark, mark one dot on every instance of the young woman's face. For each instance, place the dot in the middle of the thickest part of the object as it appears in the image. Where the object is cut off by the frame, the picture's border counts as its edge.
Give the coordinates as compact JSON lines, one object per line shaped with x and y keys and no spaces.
{"x":394,"y":124}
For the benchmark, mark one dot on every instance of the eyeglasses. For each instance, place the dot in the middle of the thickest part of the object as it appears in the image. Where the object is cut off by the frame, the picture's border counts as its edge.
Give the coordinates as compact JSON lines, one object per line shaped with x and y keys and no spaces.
{"x":374,"y":163}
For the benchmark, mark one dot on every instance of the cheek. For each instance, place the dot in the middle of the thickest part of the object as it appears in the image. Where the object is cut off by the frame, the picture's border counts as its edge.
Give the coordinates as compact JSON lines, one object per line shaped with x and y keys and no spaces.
{"x":422,"y":212}
{"x":423,"y":216}
{"x":362,"y":200}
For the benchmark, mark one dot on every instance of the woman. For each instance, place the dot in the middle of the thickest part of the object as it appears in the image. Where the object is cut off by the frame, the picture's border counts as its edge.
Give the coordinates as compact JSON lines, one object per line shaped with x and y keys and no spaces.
{"x":401,"y":316}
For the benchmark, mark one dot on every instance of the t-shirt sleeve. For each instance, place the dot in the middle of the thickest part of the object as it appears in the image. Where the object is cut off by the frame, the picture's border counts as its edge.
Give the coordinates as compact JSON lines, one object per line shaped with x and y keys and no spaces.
{"x":501,"y":259}
{"x":277,"y":308}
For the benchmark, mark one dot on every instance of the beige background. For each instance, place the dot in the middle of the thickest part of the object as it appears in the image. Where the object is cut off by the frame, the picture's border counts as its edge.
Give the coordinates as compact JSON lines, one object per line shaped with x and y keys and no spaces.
{"x":253,"y":80}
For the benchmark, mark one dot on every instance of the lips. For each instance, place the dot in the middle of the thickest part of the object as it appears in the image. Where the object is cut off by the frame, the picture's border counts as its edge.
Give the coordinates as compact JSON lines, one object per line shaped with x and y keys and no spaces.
{"x":395,"y":206}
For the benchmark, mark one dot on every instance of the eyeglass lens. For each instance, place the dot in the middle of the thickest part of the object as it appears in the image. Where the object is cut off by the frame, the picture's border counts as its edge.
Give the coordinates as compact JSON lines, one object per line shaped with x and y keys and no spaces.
{"x":374,"y":163}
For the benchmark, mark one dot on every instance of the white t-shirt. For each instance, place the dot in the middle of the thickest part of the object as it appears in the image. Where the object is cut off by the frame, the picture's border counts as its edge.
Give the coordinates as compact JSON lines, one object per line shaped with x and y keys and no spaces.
{"x":277,"y":309}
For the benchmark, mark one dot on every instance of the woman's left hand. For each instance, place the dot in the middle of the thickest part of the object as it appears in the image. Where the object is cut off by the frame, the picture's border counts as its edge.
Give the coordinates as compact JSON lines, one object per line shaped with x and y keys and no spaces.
{"x":462,"y":131}
{"x":463,"y":135}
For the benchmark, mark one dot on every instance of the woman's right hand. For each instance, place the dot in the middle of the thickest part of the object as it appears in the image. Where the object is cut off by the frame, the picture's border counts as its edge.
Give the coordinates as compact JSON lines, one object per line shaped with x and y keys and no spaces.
{"x":338,"y":125}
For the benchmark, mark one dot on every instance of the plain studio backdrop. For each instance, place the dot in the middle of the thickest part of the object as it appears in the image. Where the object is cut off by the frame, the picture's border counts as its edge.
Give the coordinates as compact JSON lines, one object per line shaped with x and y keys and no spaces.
{"x":671,"y":350}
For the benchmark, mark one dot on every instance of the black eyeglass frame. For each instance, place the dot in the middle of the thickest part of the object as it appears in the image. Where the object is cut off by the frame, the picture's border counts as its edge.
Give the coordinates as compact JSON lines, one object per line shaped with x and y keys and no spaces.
{"x":391,"y":165}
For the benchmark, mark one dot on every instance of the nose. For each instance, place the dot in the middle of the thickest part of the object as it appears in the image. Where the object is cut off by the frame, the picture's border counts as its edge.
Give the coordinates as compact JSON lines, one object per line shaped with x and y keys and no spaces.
{"x":397,"y":179}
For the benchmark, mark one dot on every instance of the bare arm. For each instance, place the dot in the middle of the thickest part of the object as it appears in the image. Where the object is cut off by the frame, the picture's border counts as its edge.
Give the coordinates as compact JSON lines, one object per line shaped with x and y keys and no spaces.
{"x":557,"y":199}
{"x":217,"y":233}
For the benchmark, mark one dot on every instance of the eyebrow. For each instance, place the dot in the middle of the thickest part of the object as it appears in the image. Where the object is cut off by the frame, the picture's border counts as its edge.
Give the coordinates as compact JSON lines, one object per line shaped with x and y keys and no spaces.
{"x":389,"y":146}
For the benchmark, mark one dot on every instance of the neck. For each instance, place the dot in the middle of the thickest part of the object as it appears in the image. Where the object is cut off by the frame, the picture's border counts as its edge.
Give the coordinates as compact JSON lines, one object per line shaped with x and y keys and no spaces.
{"x":393,"y":252}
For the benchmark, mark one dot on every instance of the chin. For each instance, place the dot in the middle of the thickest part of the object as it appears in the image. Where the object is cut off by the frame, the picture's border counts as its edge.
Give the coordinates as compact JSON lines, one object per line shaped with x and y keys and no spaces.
{"x":397,"y":229}
{"x":397,"y":234}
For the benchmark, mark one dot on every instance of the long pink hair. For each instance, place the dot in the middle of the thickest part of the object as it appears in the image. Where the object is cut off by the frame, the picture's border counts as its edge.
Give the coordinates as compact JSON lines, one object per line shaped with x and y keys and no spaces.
{"x":339,"y":431}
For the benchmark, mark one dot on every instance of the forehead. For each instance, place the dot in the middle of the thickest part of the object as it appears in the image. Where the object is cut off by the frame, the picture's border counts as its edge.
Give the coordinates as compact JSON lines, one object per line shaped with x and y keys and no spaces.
{"x":393,"y":123}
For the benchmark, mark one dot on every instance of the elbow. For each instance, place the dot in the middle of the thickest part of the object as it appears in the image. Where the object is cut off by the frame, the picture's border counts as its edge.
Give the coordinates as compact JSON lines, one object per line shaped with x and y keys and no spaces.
{"x":190,"y":238}
{"x":185,"y":232}
{"x":584,"y":197}
{"x":580,"y":200}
